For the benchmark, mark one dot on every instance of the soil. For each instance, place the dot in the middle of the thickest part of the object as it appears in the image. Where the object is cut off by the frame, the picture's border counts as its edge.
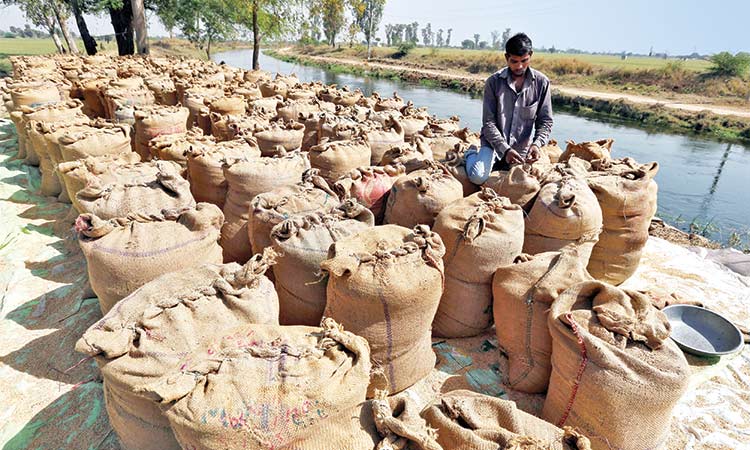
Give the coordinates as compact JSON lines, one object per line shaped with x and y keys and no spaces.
{"x":667,"y":232}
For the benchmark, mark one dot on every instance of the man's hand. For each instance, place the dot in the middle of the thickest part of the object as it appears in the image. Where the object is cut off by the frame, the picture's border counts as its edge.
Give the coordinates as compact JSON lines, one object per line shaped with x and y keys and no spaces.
{"x":533,"y":155}
{"x":512,"y":157}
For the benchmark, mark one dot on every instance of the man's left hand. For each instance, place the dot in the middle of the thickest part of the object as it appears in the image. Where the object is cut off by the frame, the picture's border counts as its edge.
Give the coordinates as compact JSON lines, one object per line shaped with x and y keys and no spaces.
{"x":533,"y":155}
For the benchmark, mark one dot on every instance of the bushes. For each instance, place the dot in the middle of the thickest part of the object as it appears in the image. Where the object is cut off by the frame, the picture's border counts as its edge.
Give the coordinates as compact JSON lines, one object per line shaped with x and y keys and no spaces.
{"x":726,"y":64}
{"x":403,"y":49}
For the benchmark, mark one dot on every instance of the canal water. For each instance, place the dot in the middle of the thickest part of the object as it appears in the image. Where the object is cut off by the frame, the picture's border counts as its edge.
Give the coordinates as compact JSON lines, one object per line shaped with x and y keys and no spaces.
{"x":702,"y":182}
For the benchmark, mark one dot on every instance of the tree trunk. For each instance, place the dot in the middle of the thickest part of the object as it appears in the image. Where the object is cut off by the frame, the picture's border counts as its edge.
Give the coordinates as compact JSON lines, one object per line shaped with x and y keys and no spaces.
{"x":139,"y":23}
{"x":369,"y":33}
{"x":52,"y":29}
{"x":72,"y":45}
{"x":256,"y":37}
{"x":123,"y":25}
{"x":208,"y":48}
{"x":88,"y":41}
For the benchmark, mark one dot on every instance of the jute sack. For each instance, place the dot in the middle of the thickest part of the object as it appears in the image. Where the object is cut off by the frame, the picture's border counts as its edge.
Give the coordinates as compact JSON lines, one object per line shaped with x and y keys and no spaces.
{"x":384,"y":284}
{"x":417,"y":198}
{"x":481,"y":233}
{"x":234,"y":106}
{"x":411,"y":156}
{"x":245,"y":180}
{"x":17,"y":118}
{"x":100,"y":139}
{"x":227,"y":128}
{"x":126,"y":253}
{"x":34,"y":94}
{"x":292,"y":110}
{"x":469,"y":420}
{"x":287,"y":135}
{"x":302,"y":243}
{"x":522,"y":293}
{"x":64,"y":112}
{"x":155,"y":121}
{"x":399,"y":425}
{"x":335,"y":159}
{"x":268,"y":209}
{"x":273,"y":88}
{"x":521,"y":185}
{"x":449,"y":125}
{"x":384,"y":138}
{"x":41,"y":136}
{"x":144,"y":188}
{"x":267,"y":106}
{"x":175,"y":147}
{"x":589,"y":151}
{"x":616,"y":375}
{"x":121,"y":104}
{"x":370,"y":186}
{"x":205,"y":161}
{"x":93,"y":103}
{"x":413,"y":121}
{"x":270,"y":387}
{"x":165,"y":92}
{"x":627,"y":194}
{"x":75,"y":175}
{"x":456,"y":164}
{"x":565,"y":212}
{"x":440,"y":143}
{"x":552,"y":151}
{"x":387,"y":104}
{"x":147,"y":334}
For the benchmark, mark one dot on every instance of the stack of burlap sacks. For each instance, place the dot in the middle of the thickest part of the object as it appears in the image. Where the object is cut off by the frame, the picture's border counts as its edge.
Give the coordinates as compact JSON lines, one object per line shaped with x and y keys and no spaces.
{"x":189,"y":181}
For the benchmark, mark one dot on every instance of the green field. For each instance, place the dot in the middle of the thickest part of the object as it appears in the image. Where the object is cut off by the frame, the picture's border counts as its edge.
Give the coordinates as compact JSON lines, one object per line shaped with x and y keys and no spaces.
{"x":25,"y":46}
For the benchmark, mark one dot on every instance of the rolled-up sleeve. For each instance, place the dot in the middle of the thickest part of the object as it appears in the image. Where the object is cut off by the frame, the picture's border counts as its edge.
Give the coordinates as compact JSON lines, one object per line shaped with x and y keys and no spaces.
{"x":489,"y":119}
{"x":543,"y":122}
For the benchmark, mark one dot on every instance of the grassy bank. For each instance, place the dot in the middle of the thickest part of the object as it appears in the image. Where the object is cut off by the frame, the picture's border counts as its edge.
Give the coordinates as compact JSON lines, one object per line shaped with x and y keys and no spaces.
{"x":649,"y":116}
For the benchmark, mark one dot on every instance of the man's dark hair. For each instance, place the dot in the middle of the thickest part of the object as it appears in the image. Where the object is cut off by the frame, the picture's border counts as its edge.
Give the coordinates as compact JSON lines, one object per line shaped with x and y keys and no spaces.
{"x":518,"y":45}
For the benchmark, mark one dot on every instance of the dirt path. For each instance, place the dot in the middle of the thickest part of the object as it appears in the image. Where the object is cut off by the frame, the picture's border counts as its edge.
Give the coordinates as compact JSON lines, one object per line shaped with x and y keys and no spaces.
{"x":460,"y":75}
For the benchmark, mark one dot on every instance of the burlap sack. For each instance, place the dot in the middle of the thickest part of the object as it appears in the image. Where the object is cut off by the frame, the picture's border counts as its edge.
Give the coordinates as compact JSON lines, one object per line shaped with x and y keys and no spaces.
{"x":522,"y":293}
{"x":34,"y":94}
{"x":399,"y":425}
{"x":301,"y":93}
{"x":335,"y":159}
{"x":54,"y":113}
{"x":616,"y":375}
{"x":147,"y":334}
{"x":413,"y":121}
{"x":234,"y":106}
{"x":411,"y":156}
{"x":469,"y":420}
{"x":194,"y":99}
{"x":268,"y":209}
{"x":292,"y":110}
{"x":287,"y":135}
{"x":449,"y":125}
{"x":75,"y":175}
{"x":272,"y":88}
{"x":93,"y":103}
{"x":120,"y":103}
{"x":165,"y":92}
{"x":205,"y":161}
{"x":481,"y":233}
{"x":456,"y":164}
{"x":385,"y":285}
{"x":44,"y":136}
{"x":521,"y":185}
{"x":175,"y":147}
{"x":370,"y":186}
{"x":551,"y":151}
{"x":384,"y":138}
{"x":155,"y":121}
{"x":245,"y":180}
{"x":588,"y":151}
{"x":270,"y":387}
{"x":440,"y":143}
{"x":124,"y":254}
{"x":387,"y":104}
{"x":302,"y":243}
{"x":417,"y":198}
{"x":565,"y":212}
{"x":265,"y":105}
{"x":101,"y":139}
{"x":627,"y":194}
{"x":227,"y":128}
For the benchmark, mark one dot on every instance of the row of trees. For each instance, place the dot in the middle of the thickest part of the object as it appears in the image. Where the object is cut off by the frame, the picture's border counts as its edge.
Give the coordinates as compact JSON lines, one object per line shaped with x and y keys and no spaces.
{"x":497,"y":43}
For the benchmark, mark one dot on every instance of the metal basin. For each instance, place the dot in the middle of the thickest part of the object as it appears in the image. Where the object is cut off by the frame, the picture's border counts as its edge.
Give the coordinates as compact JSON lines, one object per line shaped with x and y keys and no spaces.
{"x":703,"y":332}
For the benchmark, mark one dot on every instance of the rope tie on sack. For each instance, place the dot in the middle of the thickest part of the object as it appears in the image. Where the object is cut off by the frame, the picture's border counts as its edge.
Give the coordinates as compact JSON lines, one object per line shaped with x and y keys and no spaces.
{"x":581,"y":369}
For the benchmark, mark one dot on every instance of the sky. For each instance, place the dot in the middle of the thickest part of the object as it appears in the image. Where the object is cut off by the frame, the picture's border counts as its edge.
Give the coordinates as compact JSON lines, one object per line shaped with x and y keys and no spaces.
{"x":676,"y":27}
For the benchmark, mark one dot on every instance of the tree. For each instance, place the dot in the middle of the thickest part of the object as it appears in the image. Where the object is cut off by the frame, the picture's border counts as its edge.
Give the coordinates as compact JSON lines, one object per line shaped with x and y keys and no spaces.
{"x":506,"y":36}
{"x":203,"y":22}
{"x":367,"y":15}
{"x":77,"y":7}
{"x":440,"y":38}
{"x":495,"y":39}
{"x":333,"y":19}
{"x":467,"y":44}
{"x":411,"y":32}
{"x":428,"y":36}
{"x":388,"y":34}
{"x":139,"y":23}
{"x":266,"y":19}
{"x":483,"y":44}
{"x":352,"y":32}
{"x":448,"y":39}
{"x":40,"y":13}
{"x":121,"y":16}
{"x":62,"y":13}
{"x":476,"y":40}
{"x":727,"y":65}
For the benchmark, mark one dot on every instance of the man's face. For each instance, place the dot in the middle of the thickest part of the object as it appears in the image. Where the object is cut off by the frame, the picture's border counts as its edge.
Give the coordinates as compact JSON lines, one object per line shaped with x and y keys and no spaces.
{"x":518,"y":64}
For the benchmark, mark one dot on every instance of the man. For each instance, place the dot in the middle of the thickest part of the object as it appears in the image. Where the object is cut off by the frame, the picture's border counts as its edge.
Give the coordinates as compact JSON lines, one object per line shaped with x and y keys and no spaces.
{"x":516,"y":102}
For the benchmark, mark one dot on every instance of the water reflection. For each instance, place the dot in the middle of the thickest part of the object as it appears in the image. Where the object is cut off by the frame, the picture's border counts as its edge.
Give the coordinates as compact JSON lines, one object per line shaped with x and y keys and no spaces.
{"x":700,"y":180}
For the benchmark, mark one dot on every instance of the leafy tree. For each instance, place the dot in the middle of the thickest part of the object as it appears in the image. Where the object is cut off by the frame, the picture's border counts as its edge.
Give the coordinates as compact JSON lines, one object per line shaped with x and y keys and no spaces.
{"x":367,"y":15}
{"x":40,"y":13}
{"x":266,"y":19}
{"x":726,"y":64}
{"x":440,"y":40}
{"x":506,"y":36}
{"x":428,"y":36}
{"x":411,"y":32}
{"x":333,"y":19}
{"x":78,"y":7}
{"x":496,"y":39}
{"x":352,"y":32}
{"x":476,"y":40}
{"x":467,"y":44}
{"x":203,"y":22}
{"x":448,"y":39}
{"x":483,"y":44}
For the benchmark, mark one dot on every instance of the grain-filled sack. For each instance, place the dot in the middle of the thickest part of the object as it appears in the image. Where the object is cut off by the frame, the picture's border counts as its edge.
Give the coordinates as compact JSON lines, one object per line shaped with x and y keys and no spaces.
{"x":384,"y":284}
{"x":268,"y":209}
{"x":245,"y":180}
{"x":273,"y":88}
{"x":565,"y":212}
{"x":387,"y":104}
{"x":481,"y":233}
{"x":34,"y":94}
{"x":413,"y":121}
{"x":449,"y":125}
{"x":120,"y":103}
{"x":126,"y":253}
{"x":589,"y":151}
{"x":43,"y":137}
{"x":263,"y":387}
{"x":75,"y":175}
{"x":336,"y":159}
{"x":286,"y":135}
{"x":165,"y":92}
{"x":147,"y":334}
{"x":194,"y":99}
{"x":616,"y":375}
{"x":456,"y":164}
{"x":302,"y":243}
{"x":227,"y":128}
{"x":144,"y":188}
{"x":522,"y":294}
{"x":100,"y":139}
{"x":440,"y":143}
{"x":292,"y":110}
{"x":627,"y":194}
{"x":552,"y":151}
{"x":384,"y":138}
{"x":155,"y":121}
{"x":61,"y":113}
{"x":411,"y":156}
{"x":521,"y":185}
{"x":175,"y":147}
{"x":399,"y":425}
{"x":205,"y":162}
{"x":417,"y":198}
{"x":469,"y":420}
{"x":93,"y":103}
{"x":370,"y":186}
{"x":234,"y":106}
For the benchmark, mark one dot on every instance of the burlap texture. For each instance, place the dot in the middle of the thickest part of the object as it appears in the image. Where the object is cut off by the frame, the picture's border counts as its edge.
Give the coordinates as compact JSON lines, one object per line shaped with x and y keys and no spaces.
{"x":521,"y":185}
{"x":384,"y":284}
{"x":468,"y":420}
{"x":75,"y":175}
{"x":456,"y":164}
{"x":62,"y":112}
{"x":205,"y":162}
{"x":522,"y":294}
{"x":279,"y":134}
{"x":589,"y":151}
{"x":43,"y":136}
{"x":302,"y":243}
{"x":155,"y":121}
{"x":417,"y":198}
{"x":175,"y":147}
{"x":481,"y":233}
{"x":270,"y":387}
{"x":124,"y":254}
{"x":101,"y":139}
{"x":616,"y":375}
{"x":245,"y":180}
{"x":552,"y":151}
{"x":383,"y":139}
{"x":411,"y":156}
{"x":370,"y":186}
{"x":627,"y":194}
{"x":335,"y":159}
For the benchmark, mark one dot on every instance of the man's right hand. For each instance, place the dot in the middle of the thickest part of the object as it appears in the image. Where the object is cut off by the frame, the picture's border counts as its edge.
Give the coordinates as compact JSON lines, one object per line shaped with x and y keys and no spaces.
{"x":512,"y":157}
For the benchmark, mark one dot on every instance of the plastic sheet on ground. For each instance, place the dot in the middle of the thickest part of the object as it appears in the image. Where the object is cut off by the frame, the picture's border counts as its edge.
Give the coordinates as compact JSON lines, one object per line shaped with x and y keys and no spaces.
{"x":52,"y":400}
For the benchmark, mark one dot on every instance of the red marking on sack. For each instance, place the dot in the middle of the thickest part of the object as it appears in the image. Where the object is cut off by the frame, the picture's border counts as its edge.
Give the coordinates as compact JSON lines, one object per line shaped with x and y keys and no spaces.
{"x":581,"y":368}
